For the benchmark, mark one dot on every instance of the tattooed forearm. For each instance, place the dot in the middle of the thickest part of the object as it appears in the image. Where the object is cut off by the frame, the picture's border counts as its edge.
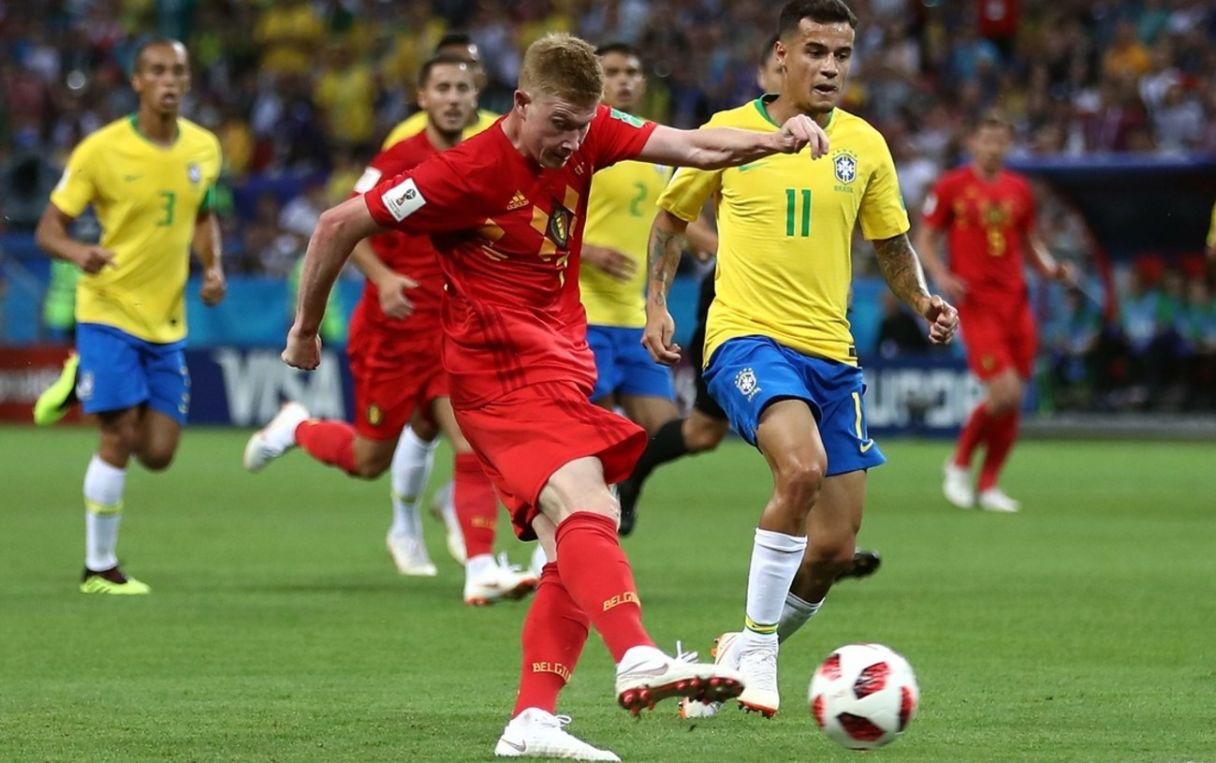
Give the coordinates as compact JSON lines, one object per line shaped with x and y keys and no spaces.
{"x":900,"y":267}
{"x":664,"y":257}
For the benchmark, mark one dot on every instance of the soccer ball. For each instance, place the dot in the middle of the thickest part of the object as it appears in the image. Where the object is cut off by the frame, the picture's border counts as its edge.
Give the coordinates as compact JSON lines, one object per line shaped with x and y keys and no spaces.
{"x":863,"y":696}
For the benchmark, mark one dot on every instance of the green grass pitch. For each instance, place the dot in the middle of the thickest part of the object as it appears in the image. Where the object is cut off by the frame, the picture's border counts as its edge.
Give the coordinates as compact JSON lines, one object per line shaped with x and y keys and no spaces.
{"x":1083,"y":629}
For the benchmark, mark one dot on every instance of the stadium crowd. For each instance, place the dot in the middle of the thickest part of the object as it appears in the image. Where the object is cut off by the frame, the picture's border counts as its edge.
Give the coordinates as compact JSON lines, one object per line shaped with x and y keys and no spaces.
{"x":301,"y":93}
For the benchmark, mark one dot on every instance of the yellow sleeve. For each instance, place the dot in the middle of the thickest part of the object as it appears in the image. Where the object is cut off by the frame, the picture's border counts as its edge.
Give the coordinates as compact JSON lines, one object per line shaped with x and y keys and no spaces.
{"x":883,"y":214}
{"x":689,"y":189}
{"x":77,"y":187}
{"x":1212,"y":230}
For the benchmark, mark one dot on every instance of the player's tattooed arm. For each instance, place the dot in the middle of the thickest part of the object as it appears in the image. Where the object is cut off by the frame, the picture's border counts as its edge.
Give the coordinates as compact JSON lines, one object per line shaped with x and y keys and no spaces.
{"x":667,"y":241}
{"x":899,"y":265}
{"x":663,"y":260}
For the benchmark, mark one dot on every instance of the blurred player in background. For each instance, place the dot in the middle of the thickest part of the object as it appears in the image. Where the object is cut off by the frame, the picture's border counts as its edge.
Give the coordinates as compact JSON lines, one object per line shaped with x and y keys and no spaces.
{"x":986,"y":213}
{"x":150,"y":177}
{"x":781,"y":360}
{"x":454,"y":44}
{"x":506,"y":210}
{"x":394,"y":352}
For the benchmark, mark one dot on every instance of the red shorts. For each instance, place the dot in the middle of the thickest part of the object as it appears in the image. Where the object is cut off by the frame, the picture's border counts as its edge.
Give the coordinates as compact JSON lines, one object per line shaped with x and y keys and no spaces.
{"x":999,"y":339}
{"x":395,"y":374}
{"x":525,"y":436}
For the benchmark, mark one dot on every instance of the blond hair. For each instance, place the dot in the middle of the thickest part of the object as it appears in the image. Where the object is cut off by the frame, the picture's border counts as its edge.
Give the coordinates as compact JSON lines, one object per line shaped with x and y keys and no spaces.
{"x":563,"y":66}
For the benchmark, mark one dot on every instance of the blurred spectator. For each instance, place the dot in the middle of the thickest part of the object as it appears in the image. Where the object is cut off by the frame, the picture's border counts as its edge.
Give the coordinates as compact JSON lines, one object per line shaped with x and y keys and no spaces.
{"x":900,"y":332}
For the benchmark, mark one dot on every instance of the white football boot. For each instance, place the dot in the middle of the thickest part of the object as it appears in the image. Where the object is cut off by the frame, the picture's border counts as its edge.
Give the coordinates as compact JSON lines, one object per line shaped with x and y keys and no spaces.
{"x":646,"y":676}
{"x":956,"y":485}
{"x":490,"y":581}
{"x":410,"y":555}
{"x":535,"y":733}
{"x":443,"y":508}
{"x":276,"y":438}
{"x":758,"y":666}
{"x":539,"y":560}
{"x":994,"y":499}
{"x":725,"y":654}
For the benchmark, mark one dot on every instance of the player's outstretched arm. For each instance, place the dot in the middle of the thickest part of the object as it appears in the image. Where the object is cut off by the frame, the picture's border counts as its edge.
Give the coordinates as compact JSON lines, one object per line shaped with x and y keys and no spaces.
{"x":928,"y":245}
{"x":390,"y":285}
{"x":899,"y":265}
{"x":712,"y":148}
{"x":338,"y":230}
{"x":667,"y":242}
{"x":53,"y":238}
{"x":1043,"y":262}
{"x":207,"y":243}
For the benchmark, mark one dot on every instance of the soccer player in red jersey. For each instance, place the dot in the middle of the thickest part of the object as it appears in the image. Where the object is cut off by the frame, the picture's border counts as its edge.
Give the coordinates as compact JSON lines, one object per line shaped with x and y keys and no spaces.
{"x":986,"y":213}
{"x":399,"y":377}
{"x":506,"y":210}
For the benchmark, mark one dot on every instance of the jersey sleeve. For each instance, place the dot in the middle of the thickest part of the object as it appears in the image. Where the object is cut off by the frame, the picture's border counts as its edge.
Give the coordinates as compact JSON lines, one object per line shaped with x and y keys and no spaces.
{"x":434,"y":197}
{"x":78,"y":185}
{"x":618,"y":136}
{"x":883,"y":214}
{"x":689,"y":188}
{"x":1030,"y":218}
{"x":936,"y":212}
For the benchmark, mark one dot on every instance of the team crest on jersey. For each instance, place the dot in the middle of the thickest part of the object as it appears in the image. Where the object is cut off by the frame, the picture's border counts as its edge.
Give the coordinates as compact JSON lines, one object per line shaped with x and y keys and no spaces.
{"x":844,"y":166}
{"x":747,"y":383}
{"x":374,"y":415}
{"x":560,"y":221}
{"x":194,"y":172}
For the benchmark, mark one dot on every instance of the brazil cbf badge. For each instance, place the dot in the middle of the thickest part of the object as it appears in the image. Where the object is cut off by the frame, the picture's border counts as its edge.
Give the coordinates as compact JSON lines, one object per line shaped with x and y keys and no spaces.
{"x":844,"y":166}
{"x":194,"y":172}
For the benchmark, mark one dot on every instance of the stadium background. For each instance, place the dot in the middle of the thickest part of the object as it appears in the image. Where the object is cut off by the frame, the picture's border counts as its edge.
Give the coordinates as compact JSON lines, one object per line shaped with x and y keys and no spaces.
{"x":1114,"y":104}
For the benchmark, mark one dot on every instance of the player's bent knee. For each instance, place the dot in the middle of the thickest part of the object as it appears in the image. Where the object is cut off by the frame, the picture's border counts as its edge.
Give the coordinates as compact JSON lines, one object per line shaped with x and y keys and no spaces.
{"x":156,"y":460}
{"x":701,"y":437}
{"x":800,"y":476}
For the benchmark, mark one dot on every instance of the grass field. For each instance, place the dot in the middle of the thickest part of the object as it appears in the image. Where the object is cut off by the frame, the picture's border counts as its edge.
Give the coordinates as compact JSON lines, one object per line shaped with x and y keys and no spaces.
{"x":1083,"y":629}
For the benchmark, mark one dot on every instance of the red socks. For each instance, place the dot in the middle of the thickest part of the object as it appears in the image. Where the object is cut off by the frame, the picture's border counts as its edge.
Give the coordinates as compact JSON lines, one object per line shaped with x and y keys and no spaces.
{"x":1002,"y":432}
{"x":553,"y":638}
{"x":597,"y":574}
{"x":972,"y":435}
{"x":330,"y":442}
{"x":476,"y":505}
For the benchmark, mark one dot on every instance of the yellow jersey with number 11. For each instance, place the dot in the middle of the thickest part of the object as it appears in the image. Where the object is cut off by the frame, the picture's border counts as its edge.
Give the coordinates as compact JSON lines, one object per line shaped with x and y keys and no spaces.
{"x":147,"y":198}
{"x":785,"y":232}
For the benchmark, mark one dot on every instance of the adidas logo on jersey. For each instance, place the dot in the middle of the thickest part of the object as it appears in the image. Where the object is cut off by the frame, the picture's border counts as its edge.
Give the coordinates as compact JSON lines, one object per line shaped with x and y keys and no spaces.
{"x":517,"y":201}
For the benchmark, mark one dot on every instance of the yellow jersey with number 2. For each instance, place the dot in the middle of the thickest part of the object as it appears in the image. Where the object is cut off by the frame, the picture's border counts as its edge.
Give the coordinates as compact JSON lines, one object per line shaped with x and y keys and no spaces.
{"x":620,"y":211}
{"x":147,"y":198}
{"x":785,"y":232}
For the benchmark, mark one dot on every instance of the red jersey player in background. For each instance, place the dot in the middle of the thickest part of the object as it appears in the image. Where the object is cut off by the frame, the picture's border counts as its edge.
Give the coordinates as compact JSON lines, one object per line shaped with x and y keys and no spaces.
{"x":398,"y":374}
{"x":506,"y":210}
{"x":987,"y":214}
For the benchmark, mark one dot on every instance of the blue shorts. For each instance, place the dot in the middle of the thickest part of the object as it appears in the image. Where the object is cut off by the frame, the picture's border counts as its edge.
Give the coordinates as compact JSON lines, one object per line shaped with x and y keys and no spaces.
{"x":623,"y":365}
{"x":119,"y":371}
{"x":746,"y":374}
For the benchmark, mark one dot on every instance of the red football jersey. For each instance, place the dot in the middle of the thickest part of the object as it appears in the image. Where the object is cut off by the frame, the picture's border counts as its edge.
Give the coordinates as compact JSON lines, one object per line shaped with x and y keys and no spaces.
{"x":509,"y":233}
{"x":411,"y":255}
{"x":988,"y":223}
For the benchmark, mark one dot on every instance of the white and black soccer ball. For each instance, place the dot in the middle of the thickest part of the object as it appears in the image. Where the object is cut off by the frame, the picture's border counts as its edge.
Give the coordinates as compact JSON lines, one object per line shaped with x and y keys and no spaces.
{"x":863,"y":696}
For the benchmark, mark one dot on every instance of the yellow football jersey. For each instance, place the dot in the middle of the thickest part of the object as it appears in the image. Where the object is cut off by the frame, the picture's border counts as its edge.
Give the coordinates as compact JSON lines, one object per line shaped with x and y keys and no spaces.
{"x":416,"y":123}
{"x":620,"y":210}
{"x":785,"y":232}
{"x":147,"y":198}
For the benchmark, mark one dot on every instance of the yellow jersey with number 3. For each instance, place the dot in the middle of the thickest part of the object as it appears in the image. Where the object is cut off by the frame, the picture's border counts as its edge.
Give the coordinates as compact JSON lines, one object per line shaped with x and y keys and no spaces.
{"x":416,"y":123}
{"x":620,"y":210}
{"x":785,"y":232}
{"x":147,"y":198}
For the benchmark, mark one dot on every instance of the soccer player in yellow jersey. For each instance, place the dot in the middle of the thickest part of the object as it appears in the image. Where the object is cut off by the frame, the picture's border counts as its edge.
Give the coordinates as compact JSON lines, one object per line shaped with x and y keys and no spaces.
{"x":150,"y":178}
{"x":457,"y":43}
{"x":780,"y":356}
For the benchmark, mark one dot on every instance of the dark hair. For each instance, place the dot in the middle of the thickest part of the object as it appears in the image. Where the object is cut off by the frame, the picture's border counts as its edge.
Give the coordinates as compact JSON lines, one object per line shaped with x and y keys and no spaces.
{"x":453,"y":38}
{"x":440,"y":59}
{"x":152,"y":42}
{"x":624,"y":48}
{"x":992,"y":118}
{"x":819,"y":11}
{"x":768,"y":50}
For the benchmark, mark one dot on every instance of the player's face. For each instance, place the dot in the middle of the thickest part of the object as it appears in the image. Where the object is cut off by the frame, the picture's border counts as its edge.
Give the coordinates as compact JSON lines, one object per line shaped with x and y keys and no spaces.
{"x":552,"y":128}
{"x":449,"y":97}
{"x":816,"y":61}
{"x":989,"y":145}
{"x":624,"y":83}
{"x":162,"y":77}
{"x":769,"y":75}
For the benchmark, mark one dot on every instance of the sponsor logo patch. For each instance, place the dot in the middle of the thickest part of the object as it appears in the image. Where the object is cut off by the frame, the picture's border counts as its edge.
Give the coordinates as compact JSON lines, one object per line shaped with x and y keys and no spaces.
{"x":403,"y":199}
{"x":367,"y":180}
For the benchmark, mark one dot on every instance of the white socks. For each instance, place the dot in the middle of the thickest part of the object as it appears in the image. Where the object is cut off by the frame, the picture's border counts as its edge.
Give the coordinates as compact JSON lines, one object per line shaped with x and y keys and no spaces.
{"x":412,"y":462}
{"x":796,"y":614}
{"x":775,"y":560}
{"x":103,"y":489}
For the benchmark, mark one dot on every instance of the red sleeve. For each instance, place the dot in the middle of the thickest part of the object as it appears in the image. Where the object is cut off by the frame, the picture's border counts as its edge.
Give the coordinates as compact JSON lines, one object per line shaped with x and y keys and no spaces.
{"x":1028,"y":221}
{"x":434,"y":197}
{"x":616,"y":136}
{"x":936,"y":211}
